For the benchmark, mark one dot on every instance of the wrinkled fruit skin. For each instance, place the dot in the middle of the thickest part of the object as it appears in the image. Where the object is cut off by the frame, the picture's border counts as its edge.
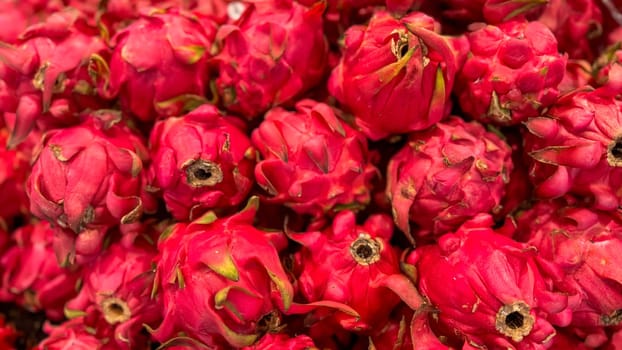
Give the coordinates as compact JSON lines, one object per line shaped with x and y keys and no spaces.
{"x":116,"y":287}
{"x":357,"y":266}
{"x":31,"y":275}
{"x":45,"y":81}
{"x":312,"y":161}
{"x":221,"y":281}
{"x":576,"y":147}
{"x":447,"y":175}
{"x":407,"y":77}
{"x":159,"y":65}
{"x":269,"y":56}
{"x":586,"y":245}
{"x":489,"y":289}
{"x":512,"y":72}
{"x":89,"y":176}
{"x":201,"y":161}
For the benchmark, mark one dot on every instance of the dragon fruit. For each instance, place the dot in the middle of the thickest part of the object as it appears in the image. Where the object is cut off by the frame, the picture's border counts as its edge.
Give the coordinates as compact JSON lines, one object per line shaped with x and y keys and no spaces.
{"x":576,"y":24}
{"x":357,"y":266}
{"x":407,"y":77}
{"x":8,"y":335}
{"x":159,"y":65}
{"x":489,"y":289}
{"x":269,"y":56}
{"x":490,"y":11}
{"x":117,"y":286}
{"x":201,"y":161}
{"x":576,"y":147}
{"x":32,"y":277}
{"x":512,"y":72}
{"x":312,"y":161}
{"x":585,"y":244}
{"x":221,"y":281}
{"x":48,"y":80}
{"x":88,"y":178}
{"x":446,"y":175}
{"x":14,"y":171}
{"x":607,"y":70}
{"x":280,"y":341}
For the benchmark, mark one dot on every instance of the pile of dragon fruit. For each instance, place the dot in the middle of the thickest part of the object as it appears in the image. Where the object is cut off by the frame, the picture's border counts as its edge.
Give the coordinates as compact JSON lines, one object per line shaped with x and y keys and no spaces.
{"x":310,"y":174}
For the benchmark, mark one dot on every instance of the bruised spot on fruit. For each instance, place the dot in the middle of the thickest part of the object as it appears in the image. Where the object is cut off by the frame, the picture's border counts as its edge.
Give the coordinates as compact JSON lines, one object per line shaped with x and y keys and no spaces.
{"x":399,"y":44}
{"x":614,"y":152}
{"x":514,"y":321}
{"x":613,"y":318}
{"x":202,"y":173}
{"x":270,"y":323}
{"x":365,"y":250}
{"x":115,"y":310}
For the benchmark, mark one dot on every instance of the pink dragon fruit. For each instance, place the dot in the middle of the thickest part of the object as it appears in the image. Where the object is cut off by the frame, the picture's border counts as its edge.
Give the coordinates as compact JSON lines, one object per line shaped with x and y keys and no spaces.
{"x":14,"y":171}
{"x":512,"y":72}
{"x":576,"y":24}
{"x":489,"y":290}
{"x":490,"y":11}
{"x":586,"y":245}
{"x":446,"y":175}
{"x":312,"y":161}
{"x":356,"y":266}
{"x":32,"y":277}
{"x":280,"y":341}
{"x":46,"y":78}
{"x":8,"y":335}
{"x":607,"y":70}
{"x":159,"y":65}
{"x":221,"y":281}
{"x":117,"y":287}
{"x":578,"y":75}
{"x":273,"y":53}
{"x":576,"y":147}
{"x":88,"y":178}
{"x":201,"y":161}
{"x":408,"y":67}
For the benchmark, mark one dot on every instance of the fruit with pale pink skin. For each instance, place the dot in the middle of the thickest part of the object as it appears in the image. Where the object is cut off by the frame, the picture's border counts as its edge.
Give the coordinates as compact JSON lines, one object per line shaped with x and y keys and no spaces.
{"x":272,"y":54}
{"x":31,"y":276}
{"x":221,"y":281}
{"x":512,"y":72}
{"x":489,"y":289}
{"x":117,"y":287}
{"x":312,"y":161}
{"x":446,"y":175}
{"x":45,"y":81}
{"x":407,"y":77}
{"x":159,"y":64}
{"x":586,"y":245}
{"x":355,"y":265}
{"x":202,"y":160}
{"x":88,"y":178}
{"x":576,"y":148}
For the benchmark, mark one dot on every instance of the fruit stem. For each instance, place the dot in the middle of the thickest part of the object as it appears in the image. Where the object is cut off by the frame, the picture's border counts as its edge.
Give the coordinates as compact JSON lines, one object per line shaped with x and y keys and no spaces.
{"x":514,"y":321}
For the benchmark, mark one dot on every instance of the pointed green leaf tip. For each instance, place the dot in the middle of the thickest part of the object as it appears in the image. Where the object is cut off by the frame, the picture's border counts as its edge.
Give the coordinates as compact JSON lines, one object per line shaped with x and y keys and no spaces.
{"x":206,"y":218}
{"x":71,"y":314}
{"x":222,"y":263}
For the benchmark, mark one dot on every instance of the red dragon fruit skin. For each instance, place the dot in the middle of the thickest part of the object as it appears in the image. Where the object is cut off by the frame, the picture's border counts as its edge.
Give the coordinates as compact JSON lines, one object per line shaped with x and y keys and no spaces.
{"x":446,"y":175}
{"x":585,"y":244}
{"x":89,"y":176}
{"x":221,"y":281}
{"x":512,"y":72}
{"x":357,"y":266}
{"x":201,"y":161}
{"x":312,"y":161}
{"x":270,"y":55}
{"x":51,"y":81}
{"x":489,"y":290}
{"x":31,"y":275}
{"x":117,"y":287}
{"x":408,"y":67}
{"x":159,"y":64}
{"x":280,"y":341}
{"x":576,"y":148}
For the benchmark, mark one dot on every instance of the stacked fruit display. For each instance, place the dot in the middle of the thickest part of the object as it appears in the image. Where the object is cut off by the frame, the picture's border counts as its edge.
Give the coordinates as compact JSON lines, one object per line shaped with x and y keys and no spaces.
{"x":311,"y":174}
